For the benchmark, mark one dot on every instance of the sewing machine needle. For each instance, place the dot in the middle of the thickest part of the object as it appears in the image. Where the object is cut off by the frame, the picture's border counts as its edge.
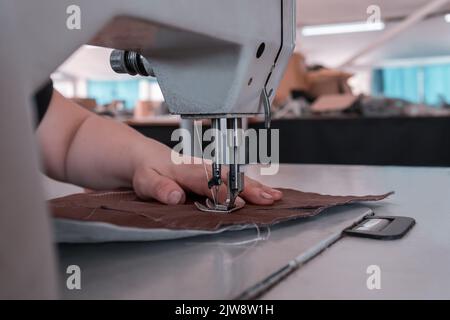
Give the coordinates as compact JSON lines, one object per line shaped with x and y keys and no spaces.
{"x":216,"y":195}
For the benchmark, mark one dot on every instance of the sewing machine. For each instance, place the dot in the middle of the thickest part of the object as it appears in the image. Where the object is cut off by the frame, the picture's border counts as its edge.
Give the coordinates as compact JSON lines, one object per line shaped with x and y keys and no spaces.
{"x":223,"y":71}
{"x":35,"y":41}
{"x":212,"y":58}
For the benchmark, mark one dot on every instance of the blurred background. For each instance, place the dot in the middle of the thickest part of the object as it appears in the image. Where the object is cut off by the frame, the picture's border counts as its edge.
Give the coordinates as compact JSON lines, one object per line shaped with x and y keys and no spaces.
{"x":369,"y":84}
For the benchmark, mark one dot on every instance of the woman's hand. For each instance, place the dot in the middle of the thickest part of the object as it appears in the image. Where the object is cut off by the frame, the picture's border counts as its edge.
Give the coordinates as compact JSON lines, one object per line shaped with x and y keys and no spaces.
{"x":82,"y":148}
{"x":170,"y":188}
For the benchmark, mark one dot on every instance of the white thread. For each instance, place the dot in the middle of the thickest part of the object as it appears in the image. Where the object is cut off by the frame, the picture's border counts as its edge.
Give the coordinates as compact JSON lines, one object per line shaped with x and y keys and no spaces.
{"x":203,"y":162}
{"x":90,"y":214}
{"x":239,"y":243}
{"x":150,"y":217}
{"x":256,"y":240}
{"x":110,"y":193}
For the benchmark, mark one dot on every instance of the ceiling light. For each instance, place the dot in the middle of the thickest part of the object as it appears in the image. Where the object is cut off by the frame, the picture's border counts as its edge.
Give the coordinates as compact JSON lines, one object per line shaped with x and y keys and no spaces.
{"x":342,"y":28}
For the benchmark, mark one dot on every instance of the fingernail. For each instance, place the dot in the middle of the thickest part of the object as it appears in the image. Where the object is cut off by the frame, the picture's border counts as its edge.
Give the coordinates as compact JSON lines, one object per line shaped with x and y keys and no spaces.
{"x":239,"y":201}
{"x":276,"y":191}
{"x":174,"y":197}
{"x":266,"y":195}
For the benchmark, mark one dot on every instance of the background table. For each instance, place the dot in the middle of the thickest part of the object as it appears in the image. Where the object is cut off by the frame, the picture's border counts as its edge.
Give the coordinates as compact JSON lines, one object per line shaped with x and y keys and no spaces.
{"x":401,"y":141}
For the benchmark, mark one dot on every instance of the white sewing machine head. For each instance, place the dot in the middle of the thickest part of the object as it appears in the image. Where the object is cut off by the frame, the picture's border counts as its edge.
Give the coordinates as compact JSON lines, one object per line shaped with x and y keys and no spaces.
{"x":212,"y":59}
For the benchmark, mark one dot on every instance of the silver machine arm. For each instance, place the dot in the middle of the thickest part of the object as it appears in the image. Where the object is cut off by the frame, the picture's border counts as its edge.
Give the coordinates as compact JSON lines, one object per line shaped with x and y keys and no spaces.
{"x":219,"y":69}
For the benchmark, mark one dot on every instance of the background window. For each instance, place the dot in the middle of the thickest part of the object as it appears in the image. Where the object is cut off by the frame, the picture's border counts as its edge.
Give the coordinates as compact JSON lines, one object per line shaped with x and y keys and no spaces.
{"x":104,"y":92}
{"x":429,"y":84}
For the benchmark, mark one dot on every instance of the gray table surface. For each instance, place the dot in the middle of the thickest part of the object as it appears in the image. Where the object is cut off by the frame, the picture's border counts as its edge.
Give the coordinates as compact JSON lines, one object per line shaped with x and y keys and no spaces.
{"x":219,"y":267}
{"x":415,"y":267}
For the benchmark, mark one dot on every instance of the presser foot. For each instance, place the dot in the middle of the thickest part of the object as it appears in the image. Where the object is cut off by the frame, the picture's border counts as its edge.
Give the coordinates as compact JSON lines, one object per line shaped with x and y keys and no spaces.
{"x":211,"y":207}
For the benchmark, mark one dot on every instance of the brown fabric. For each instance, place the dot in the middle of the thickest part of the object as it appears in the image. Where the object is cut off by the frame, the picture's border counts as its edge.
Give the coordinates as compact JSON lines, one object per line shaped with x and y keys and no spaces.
{"x":124,"y":208}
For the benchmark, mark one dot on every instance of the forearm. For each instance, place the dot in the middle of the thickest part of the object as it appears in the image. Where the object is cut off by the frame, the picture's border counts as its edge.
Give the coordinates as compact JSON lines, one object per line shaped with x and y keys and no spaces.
{"x":105,"y":154}
{"x":82,"y":148}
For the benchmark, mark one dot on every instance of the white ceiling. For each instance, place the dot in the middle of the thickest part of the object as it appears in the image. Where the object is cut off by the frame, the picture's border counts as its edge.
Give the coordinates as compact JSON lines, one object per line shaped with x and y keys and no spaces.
{"x":427,"y":38}
{"x":334,"y":11}
{"x":90,"y":63}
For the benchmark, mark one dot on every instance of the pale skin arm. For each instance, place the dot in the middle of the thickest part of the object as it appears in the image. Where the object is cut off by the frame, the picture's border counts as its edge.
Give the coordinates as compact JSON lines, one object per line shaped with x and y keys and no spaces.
{"x":82,"y":148}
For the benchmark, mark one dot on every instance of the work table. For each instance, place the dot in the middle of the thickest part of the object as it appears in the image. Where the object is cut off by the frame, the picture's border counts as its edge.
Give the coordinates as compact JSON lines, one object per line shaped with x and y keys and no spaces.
{"x":415,"y":267}
{"x":228,"y":265}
